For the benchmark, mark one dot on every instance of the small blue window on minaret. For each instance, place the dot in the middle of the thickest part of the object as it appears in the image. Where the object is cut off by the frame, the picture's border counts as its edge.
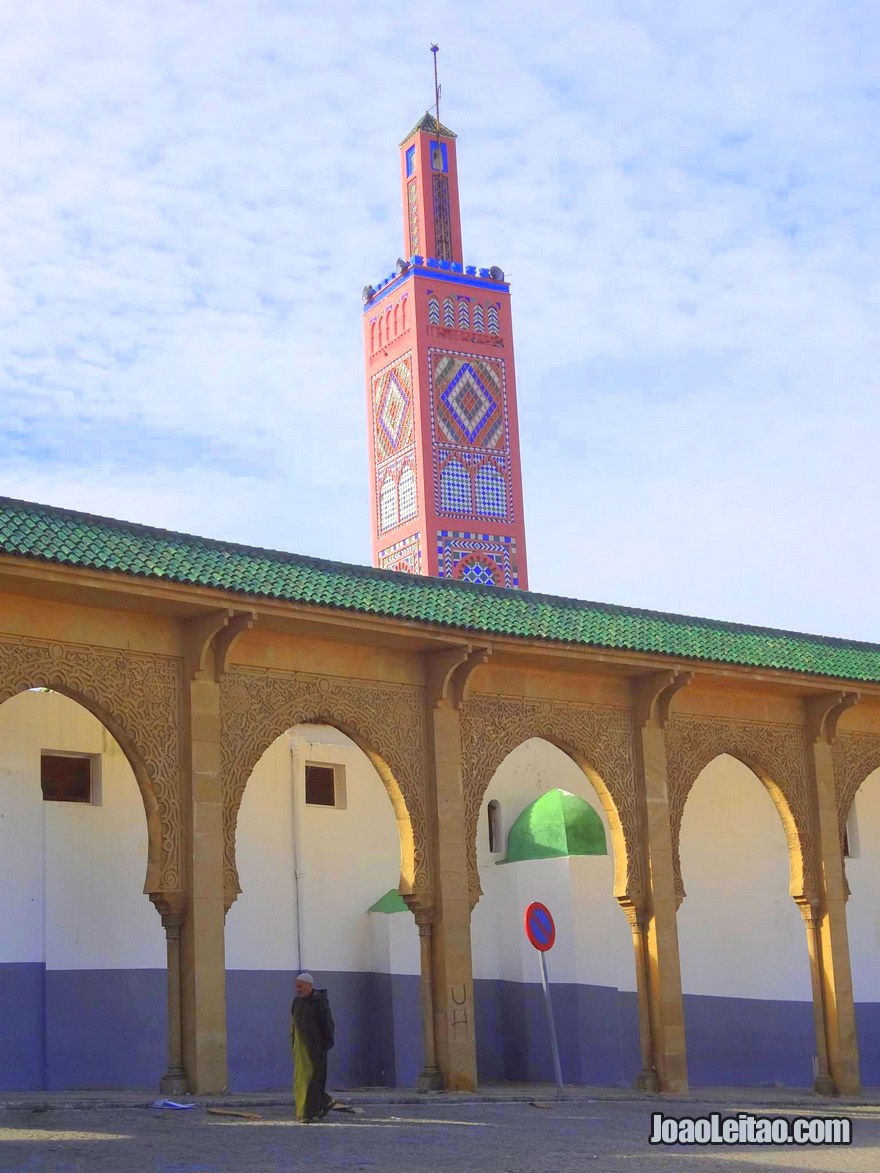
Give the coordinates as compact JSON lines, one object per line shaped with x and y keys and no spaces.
{"x":410,"y":161}
{"x":439,"y":160}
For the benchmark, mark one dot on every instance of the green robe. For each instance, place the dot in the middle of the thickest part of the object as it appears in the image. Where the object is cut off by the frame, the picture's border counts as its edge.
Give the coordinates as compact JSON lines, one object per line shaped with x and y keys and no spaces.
{"x":311,"y":1037}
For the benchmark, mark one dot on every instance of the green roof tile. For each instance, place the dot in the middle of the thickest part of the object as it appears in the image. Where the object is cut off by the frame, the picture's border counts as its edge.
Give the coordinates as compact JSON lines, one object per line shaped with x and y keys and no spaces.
{"x":49,"y":534}
{"x":428,"y":123}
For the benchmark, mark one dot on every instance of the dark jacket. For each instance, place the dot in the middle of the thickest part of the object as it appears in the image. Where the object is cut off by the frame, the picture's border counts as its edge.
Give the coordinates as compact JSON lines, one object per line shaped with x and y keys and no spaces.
{"x":312,"y":1018}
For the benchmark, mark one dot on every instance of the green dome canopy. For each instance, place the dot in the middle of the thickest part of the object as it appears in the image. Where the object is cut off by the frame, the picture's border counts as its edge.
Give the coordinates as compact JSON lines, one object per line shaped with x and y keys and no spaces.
{"x":556,"y":824}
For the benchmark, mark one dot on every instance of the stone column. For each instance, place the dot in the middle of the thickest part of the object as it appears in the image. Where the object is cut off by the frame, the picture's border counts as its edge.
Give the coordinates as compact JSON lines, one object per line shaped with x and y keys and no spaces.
{"x":822,"y":1082}
{"x":658,"y":940}
{"x":829,"y":957}
{"x":430,"y":1079}
{"x":446,"y":674}
{"x":647,"y":1079}
{"x":203,"y":973}
{"x":450,"y":948}
{"x":174,"y":1081}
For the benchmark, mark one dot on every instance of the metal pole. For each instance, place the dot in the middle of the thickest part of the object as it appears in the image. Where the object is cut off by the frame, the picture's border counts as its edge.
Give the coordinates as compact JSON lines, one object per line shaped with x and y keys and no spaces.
{"x":557,"y":1067}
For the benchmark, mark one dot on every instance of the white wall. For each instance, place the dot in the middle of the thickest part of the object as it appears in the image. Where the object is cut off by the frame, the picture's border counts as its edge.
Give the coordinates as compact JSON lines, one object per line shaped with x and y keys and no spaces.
{"x":863,"y":906}
{"x":348,"y":858}
{"x":394,"y":943}
{"x":593,"y":941}
{"x":740,"y":933}
{"x":72,"y":874}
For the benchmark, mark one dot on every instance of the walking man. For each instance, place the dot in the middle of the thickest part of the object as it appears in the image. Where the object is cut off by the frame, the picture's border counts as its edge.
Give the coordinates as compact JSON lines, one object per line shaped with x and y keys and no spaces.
{"x":311,"y":1037}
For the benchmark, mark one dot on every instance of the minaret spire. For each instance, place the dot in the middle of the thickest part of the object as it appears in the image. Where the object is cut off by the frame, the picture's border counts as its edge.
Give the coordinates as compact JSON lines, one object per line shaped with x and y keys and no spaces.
{"x":435,"y":49}
{"x":444,"y":448}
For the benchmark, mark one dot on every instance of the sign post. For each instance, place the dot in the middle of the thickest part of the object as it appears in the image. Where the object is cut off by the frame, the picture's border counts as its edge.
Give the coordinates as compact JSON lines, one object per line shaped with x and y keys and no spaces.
{"x":541,"y":932}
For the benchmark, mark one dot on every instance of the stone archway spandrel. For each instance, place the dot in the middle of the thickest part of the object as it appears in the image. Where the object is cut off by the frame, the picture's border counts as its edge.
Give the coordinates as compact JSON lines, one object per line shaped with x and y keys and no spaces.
{"x":387,"y":721}
{"x":855,"y":756}
{"x":776,"y":752}
{"x":494,"y":726}
{"x":137,"y":697}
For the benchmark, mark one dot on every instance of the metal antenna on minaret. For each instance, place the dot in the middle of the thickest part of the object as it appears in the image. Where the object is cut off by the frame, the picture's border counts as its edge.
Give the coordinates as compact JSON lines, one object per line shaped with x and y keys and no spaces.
{"x":435,"y":49}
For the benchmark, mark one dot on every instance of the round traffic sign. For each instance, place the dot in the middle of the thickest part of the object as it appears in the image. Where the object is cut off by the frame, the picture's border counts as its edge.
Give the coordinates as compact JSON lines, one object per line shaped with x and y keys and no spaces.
{"x":540,"y":929}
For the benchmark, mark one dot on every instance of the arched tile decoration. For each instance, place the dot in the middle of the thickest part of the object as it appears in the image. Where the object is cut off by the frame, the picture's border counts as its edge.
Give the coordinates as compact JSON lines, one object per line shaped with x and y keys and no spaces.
{"x":137,"y":697}
{"x":387,"y":722}
{"x":775,"y":753}
{"x":598,"y":738}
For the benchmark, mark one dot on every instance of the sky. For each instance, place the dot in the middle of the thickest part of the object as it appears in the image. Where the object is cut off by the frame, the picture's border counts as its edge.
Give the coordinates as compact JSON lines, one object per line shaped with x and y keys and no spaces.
{"x":684,"y":197}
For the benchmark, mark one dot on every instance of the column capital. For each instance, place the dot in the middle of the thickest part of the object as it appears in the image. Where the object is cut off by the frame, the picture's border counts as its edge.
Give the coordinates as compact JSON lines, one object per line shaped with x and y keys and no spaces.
{"x":636,"y":913}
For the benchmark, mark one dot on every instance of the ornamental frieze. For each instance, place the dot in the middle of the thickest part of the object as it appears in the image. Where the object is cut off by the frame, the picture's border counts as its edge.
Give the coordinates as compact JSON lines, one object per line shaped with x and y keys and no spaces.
{"x":137,"y":697}
{"x":776,"y":753}
{"x":386,"y":721}
{"x":601,"y":736}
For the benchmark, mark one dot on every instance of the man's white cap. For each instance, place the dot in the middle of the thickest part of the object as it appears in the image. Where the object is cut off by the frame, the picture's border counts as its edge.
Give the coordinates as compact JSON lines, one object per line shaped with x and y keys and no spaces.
{"x":305,"y":977}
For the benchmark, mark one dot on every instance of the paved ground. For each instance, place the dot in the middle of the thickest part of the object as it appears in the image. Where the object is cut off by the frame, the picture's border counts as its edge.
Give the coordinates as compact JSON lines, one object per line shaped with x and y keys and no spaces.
{"x":593,"y":1129}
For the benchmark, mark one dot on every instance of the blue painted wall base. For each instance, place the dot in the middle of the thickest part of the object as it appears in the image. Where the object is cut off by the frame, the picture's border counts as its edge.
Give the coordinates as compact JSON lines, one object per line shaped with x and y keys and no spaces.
{"x":66,"y":1029}
{"x":748,"y":1042}
{"x":597,"y":1028}
{"x":378,"y":1029}
{"x":61,"y":1030}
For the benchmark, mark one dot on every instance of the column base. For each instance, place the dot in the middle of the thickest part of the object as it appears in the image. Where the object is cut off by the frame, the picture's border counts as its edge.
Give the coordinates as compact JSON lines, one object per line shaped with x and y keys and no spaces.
{"x":430,"y":1080}
{"x":824,"y":1085}
{"x":647,"y":1081}
{"x":174,"y":1082}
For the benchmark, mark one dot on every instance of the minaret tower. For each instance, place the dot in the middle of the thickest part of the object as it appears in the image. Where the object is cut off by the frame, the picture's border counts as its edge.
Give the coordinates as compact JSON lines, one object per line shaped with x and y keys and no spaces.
{"x":444,"y":445}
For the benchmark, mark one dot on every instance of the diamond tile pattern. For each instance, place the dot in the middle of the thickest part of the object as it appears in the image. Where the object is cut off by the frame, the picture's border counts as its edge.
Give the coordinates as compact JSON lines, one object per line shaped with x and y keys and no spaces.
{"x":46,"y":534}
{"x":469,"y":401}
{"x":392,"y":396}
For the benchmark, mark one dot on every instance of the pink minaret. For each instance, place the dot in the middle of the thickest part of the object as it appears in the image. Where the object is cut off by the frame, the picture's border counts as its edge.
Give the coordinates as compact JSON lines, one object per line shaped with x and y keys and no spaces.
{"x":444,"y":445}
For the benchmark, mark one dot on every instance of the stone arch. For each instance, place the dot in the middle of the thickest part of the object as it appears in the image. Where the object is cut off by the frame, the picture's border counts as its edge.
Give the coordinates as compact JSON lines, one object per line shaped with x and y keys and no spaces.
{"x":136,"y":697}
{"x":386,"y":722}
{"x":776,"y":755}
{"x":598,"y":739}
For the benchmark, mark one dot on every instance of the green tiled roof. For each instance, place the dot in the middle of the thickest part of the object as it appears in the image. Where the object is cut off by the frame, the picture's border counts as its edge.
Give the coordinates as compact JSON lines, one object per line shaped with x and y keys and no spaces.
{"x":428,"y":123}
{"x":63,"y":536}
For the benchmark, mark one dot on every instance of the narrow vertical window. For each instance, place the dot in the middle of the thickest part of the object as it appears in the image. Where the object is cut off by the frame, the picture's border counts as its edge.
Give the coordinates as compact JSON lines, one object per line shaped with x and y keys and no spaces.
{"x":449,"y":313}
{"x":493,"y":319}
{"x":479,"y":326}
{"x":464,"y":317}
{"x":433,"y":311}
{"x":494,"y":816}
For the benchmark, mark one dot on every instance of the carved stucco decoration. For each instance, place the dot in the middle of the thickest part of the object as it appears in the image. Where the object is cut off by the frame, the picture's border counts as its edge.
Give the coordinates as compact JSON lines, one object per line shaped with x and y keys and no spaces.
{"x":387,"y":722}
{"x":137,"y":697}
{"x":856,"y":755}
{"x":598,"y":738}
{"x":775,"y":753}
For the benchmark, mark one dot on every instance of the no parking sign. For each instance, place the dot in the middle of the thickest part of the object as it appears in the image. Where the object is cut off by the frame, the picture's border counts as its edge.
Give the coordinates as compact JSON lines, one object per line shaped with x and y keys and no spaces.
{"x":540,"y":926}
{"x":541,"y":932}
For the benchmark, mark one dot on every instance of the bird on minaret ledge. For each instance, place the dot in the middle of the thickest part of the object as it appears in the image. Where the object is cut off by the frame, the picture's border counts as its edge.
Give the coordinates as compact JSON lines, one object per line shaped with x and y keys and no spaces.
{"x":438,"y":341}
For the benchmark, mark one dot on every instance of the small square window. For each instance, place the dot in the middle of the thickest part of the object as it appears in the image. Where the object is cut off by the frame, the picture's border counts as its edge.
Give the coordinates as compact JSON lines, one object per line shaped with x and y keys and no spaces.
{"x":66,"y":778}
{"x":320,"y":785}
